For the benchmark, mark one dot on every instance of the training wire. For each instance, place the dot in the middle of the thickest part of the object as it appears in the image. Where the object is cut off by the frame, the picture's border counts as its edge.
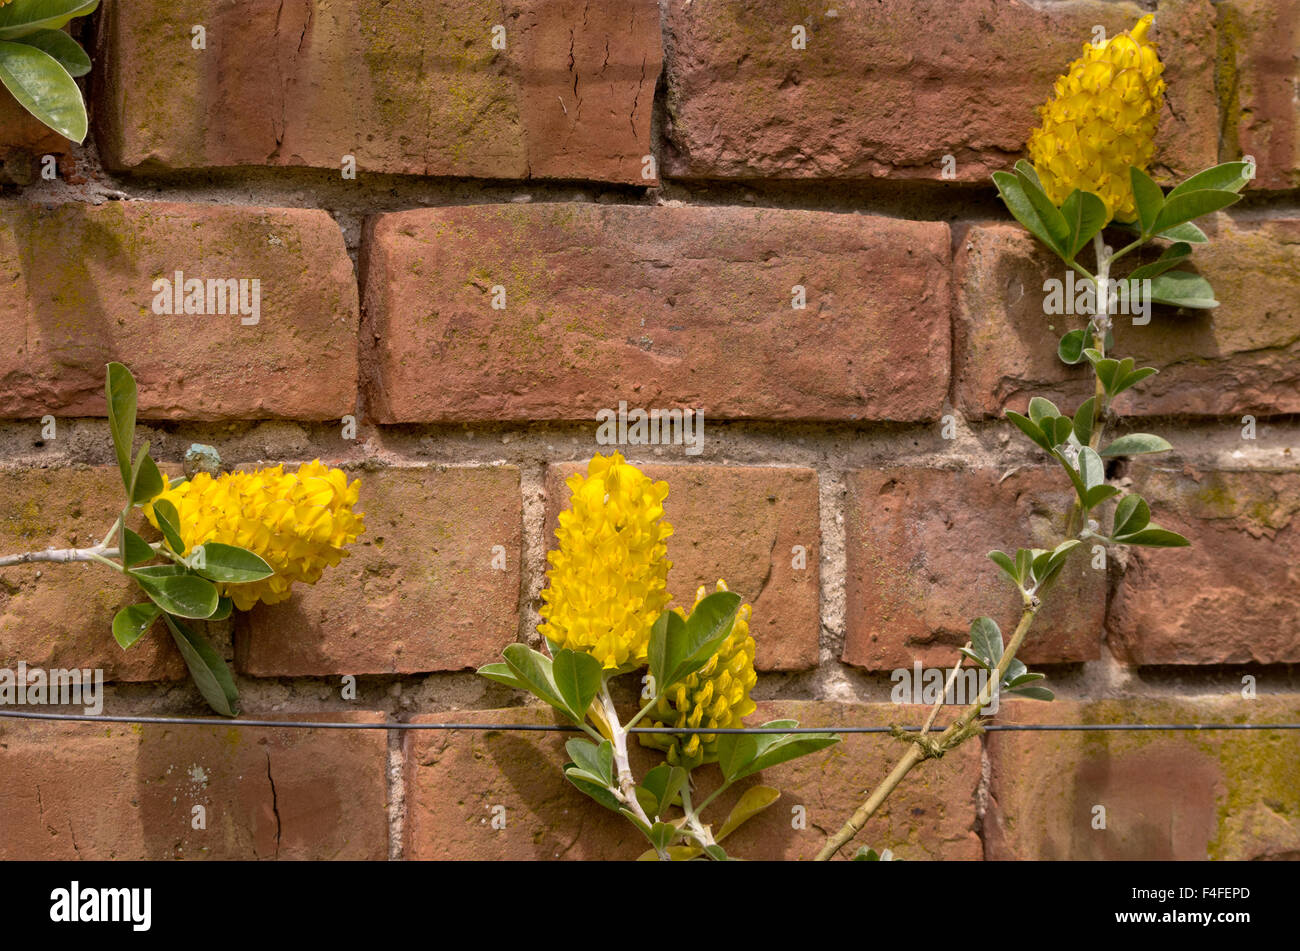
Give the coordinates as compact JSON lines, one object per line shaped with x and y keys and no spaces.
{"x":685,"y":731}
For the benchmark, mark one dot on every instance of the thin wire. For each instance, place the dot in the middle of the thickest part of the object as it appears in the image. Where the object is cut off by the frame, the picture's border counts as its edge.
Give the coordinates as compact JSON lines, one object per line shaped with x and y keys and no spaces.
{"x":685,"y":731}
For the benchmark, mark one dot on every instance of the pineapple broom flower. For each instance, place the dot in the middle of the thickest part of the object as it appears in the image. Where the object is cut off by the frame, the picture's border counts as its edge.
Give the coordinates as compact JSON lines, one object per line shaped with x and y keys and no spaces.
{"x":1089,"y":171}
{"x":605,"y":614}
{"x":717,"y":695}
{"x":608,"y":581}
{"x":229,"y":541}
{"x":299,"y":523}
{"x":1100,"y":121}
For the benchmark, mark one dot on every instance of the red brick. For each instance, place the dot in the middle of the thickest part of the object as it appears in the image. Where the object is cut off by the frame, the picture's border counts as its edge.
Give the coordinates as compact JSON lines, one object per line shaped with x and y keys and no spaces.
{"x":1259,"y":87}
{"x":887,"y":90}
{"x":455,"y":779}
{"x":918,"y":575}
{"x":740,"y":524}
{"x":22,"y":140}
{"x":1167,"y":795}
{"x":78,"y":292}
{"x":61,"y":616}
{"x":78,"y":790}
{"x":1238,"y":358}
{"x":419,"y":591}
{"x":659,"y":306}
{"x":408,"y":87}
{"x":1231,"y":597}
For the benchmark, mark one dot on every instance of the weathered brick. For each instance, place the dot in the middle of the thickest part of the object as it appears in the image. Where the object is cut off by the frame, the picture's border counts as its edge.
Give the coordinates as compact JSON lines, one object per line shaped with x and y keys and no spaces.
{"x":421,"y":591}
{"x":22,"y":139}
{"x":659,"y":306}
{"x":457,"y":778}
{"x":78,"y":790}
{"x":1259,"y":87}
{"x":1240,"y":357}
{"x":1167,"y":795}
{"x":61,"y":616}
{"x":889,"y":90}
{"x":918,"y":575}
{"x":1231,"y":598}
{"x":408,"y":87}
{"x":740,"y":524}
{"x":78,"y":292}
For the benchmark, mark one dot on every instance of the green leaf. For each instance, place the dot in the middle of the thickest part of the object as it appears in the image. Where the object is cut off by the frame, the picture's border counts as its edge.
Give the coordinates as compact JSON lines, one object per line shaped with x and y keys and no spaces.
{"x":1030,"y":429}
{"x":148,"y":480}
{"x":1091,"y":468}
{"x":686,"y":648}
{"x":1185,"y":232}
{"x":1132,"y":514}
{"x":660,"y":787}
{"x":534,"y":671}
{"x":28,"y":16}
{"x":1023,"y":678}
{"x":1172,"y":256}
{"x":1012,"y":190}
{"x":43,"y":88}
{"x":1129,"y":379}
{"x":1136,"y":444}
{"x":1148,"y":197}
{"x":754,"y":801}
{"x":63,"y":48}
{"x":1183,"y":289}
{"x":667,"y":640}
{"x":1085,"y":215}
{"x":1041,"y":409}
{"x":135,"y":550}
{"x":224,"y":608}
{"x":1230,"y":176}
{"x":1155,"y":537}
{"x":1083,"y":421}
{"x":120,"y":393}
{"x":986,"y":640}
{"x":1058,"y":429}
{"x":131,"y":623}
{"x":716,"y":852}
{"x":1024,"y":564}
{"x":1052,"y":220}
{"x":1033,"y":693}
{"x":1004,"y":561}
{"x":1070,"y":349}
{"x":602,"y":794}
{"x":662,"y":833}
{"x":210,"y":673}
{"x":738,"y":750}
{"x":577,"y":676}
{"x":787,"y":747}
{"x":230,"y":564}
{"x":502,"y":674}
{"x":975,"y":658}
{"x":184,"y":595}
{"x":169,"y":521}
{"x":1098,"y":494}
{"x":1189,"y":205}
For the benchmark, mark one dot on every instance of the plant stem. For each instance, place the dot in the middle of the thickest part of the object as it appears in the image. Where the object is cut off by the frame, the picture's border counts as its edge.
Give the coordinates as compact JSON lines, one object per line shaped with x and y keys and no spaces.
{"x":626,"y":791}
{"x":60,"y":556}
{"x":957,"y":733}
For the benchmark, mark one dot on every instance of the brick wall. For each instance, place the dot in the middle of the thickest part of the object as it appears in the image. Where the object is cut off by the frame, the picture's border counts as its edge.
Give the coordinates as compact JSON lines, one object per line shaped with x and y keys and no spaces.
{"x":645,"y":186}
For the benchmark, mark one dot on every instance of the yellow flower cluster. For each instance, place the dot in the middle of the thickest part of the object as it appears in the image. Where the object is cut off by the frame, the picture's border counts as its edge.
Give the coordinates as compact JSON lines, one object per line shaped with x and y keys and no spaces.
{"x":1101,"y":119}
{"x":717,"y":695}
{"x":608,"y":581}
{"x":299,"y":522}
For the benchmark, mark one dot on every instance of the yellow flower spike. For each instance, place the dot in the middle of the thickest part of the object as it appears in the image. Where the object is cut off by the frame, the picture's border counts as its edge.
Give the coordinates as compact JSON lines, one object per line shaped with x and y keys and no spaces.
{"x":1102,"y":118}
{"x":715,"y":696}
{"x":608,"y":580}
{"x":299,"y":523}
